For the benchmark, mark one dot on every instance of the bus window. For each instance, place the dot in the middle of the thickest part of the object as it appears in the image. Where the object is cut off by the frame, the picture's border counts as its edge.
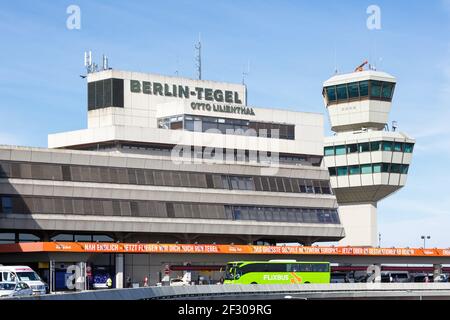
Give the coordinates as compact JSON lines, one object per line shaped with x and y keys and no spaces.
{"x":320,"y":267}
{"x":305,"y":267}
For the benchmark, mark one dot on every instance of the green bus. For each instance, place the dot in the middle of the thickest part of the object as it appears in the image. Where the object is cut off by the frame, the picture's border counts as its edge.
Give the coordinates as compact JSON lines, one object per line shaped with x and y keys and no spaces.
{"x":276,"y":272}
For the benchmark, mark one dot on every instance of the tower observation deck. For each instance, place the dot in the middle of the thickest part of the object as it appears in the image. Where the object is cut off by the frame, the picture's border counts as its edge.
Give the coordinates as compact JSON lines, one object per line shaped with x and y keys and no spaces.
{"x":367,"y":161}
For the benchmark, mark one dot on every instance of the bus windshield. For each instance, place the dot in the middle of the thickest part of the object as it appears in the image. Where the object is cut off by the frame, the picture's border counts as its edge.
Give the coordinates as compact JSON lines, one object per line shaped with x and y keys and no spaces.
{"x":230,"y":272}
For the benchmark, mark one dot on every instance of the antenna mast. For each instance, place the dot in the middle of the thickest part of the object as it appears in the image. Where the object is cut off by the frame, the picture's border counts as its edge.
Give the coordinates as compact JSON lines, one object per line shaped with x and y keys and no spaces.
{"x":198,"y":58}
{"x":245,"y":72}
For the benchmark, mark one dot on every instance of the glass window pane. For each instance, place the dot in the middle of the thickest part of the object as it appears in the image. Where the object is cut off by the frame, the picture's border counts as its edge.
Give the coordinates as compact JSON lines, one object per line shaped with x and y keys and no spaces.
{"x":398,"y":146}
{"x":405,"y":169}
{"x":408,"y":147}
{"x":366,"y":168}
{"x":352,"y":148}
{"x":387,"y":90}
{"x":7,"y":205}
{"x":353,"y":90}
{"x":355,"y":170}
{"x":377,"y":168}
{"x":340,"y":150}
{"x":331,"y":93}
{"x":385,"y":167}
{"x":342,"y":171}
{"x":332,"y":172}
{"x":375,"y":89}
{"x":375,"y":146}
{"x":329,"y":151}
{"x":364,"y":88}
{"x":342,"y":92}
{"x":364,"y":147}
{"x":388,"y":145}
{"x":396,"y":168}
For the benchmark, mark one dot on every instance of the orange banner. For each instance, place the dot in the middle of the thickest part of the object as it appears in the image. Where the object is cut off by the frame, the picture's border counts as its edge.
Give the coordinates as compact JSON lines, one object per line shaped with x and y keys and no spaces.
{"x":95,"y":247}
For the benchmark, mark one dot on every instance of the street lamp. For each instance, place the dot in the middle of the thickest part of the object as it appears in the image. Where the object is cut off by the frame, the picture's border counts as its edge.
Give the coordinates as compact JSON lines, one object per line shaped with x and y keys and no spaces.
{"x":424,"y":238}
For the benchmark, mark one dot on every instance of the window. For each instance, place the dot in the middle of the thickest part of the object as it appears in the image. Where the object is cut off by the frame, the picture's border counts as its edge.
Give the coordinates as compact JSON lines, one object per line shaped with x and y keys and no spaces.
{"x":352,"y":148}
{"x":377,"y":168}
{"x":7,"y":238}
{"x":342,"y":92}
{"x":398,"y":146}
{"x":7,"y":205}
{"x":388,"y":146}
{"x":387,"y":90}
{"x":340,"y":150}
{"x":26,"y":237}
{"x":354,"y":170}
{"x":396,"y":168}
{"x":329,"y":151}
{"x":366,"y":168}
{"x":405,"y":169}
{"x":105,"y":93}
{"x":375,"y":89}
{"x":385,"y":167}
{"x":353,"y":90}
{"x":332,"y":172}
{"x":364,"y":88}
{"x":364,"y":147}
{"x":408,"y":147}
{"x":375,"y":146}
{"x":331,"y":93}
{"x":342,"y":171}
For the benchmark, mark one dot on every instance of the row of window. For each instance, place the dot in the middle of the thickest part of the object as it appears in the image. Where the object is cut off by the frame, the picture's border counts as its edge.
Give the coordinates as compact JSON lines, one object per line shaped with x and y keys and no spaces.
{"x":369,"y":169}
{"x":228,"y":126}
{"x":6,"y":237}
{"x":158,"y":209}
{"x":105,"y":93}
{"x":299,"y":215}
{"x":11,"y":237}
{"x":283,"y":267}
{"x":369,"y":147}
{"x":133,"y":176}
{"x":227,"y":154}
{"x":369,"y":89}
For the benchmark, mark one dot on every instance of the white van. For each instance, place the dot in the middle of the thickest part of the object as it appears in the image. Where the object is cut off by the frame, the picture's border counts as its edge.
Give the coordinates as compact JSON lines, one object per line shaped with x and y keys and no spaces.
{"x":23,"y":274}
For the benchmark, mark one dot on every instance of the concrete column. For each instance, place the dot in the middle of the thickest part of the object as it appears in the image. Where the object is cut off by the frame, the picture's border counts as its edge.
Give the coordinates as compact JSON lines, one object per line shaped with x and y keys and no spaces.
{"x":437,"y":270}
{"x":360,"y":225}
{"x":119,"y":270}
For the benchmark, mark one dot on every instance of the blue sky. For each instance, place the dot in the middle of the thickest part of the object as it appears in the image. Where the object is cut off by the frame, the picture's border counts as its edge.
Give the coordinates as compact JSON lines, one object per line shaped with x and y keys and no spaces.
{"x":292,"y":46}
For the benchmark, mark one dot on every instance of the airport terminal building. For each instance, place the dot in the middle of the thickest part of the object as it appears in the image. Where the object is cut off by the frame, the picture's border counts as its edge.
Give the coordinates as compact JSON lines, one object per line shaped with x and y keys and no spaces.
{"x":168,"y":160}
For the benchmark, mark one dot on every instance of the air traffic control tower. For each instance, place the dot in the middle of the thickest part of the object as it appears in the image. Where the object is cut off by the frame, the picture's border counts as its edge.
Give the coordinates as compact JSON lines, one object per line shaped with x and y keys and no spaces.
{"x":367,"y":160}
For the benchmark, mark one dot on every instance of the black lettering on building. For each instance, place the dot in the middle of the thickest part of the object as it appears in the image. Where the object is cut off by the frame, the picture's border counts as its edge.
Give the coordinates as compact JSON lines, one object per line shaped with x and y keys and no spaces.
{"x":146,"y":87}
{"x":157,"y":88}
{"x":135,"y":86}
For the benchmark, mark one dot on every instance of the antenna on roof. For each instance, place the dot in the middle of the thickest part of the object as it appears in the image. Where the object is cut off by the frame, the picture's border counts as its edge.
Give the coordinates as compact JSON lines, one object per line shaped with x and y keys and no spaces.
{"x":335,"y":58}
{"x":90,"y":66}
{"x":177,"y":65}
{"x":198,"y":58}
{"x":105,"y":62}
{"x":245,"y":72}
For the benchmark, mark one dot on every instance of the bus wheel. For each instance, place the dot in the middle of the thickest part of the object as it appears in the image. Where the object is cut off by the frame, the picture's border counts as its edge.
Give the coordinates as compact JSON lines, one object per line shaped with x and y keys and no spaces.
{"x":253,"y":283}
{"x":307,"y":282}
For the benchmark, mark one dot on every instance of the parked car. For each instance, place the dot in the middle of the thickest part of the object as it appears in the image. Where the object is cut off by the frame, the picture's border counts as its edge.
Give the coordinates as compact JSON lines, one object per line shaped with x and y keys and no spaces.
{"x":395,"y":276}
{"x":179,"y":282}
{"x":441,"y":278}
{"x":15,"y":289}
{"x":422,"y":277}
{"x":341,"y":277}
{"x":23,"y":274}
